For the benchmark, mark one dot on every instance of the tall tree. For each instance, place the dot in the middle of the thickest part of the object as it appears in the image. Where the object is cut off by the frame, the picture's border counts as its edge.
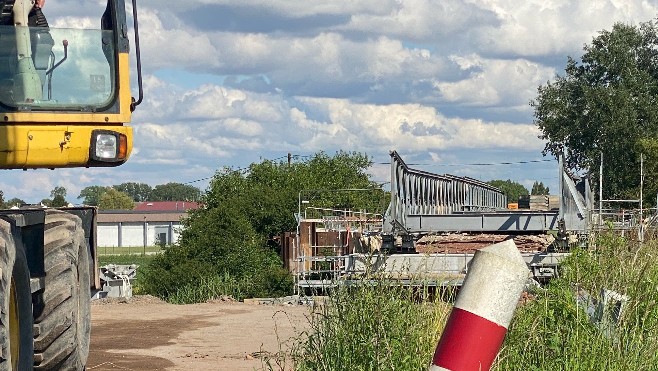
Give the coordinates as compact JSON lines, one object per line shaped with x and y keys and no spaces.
{"x":58,"y":198}
{"x":269,"y":193}
{"x":14,"y":202}
{"x":538,"y":188}
{"x":231,"y":234}
{"x":115,"y":200}
{"x":58,"y":201}
{"x":138,"y":191}
{"x":605,"y":104}
{"x":511,"y":189}
{"x":175,"y":192}
{"x":58,"y":191}
{"x":91,"y":195}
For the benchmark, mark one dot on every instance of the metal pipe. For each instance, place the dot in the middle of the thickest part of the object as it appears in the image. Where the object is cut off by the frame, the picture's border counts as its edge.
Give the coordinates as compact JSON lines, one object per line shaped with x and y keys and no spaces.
{"x":601,"y":191}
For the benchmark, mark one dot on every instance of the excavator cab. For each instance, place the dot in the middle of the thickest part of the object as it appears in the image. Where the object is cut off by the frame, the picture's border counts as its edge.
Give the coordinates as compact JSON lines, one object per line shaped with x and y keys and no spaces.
{"x":65,"y":98}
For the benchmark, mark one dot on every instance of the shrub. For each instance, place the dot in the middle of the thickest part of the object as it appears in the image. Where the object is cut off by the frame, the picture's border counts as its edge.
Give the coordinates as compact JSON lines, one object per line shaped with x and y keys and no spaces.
{"x":220,"y":254}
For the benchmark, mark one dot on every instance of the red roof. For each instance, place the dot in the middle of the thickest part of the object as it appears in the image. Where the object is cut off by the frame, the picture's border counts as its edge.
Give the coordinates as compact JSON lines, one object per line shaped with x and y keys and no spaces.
{"x":166,"y":206}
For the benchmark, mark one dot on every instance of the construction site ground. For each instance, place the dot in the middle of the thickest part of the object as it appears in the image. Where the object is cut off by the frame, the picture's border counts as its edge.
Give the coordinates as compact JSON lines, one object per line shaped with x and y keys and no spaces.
{"x":145,"y":333}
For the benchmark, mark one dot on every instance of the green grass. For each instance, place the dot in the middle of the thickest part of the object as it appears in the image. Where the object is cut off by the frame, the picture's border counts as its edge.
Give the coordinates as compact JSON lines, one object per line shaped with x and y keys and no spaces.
{"x":369,"y":326}
{"x":554,"y":333}
{"x":141,"y":260}
{"x":127,"y":250}
{"x":210,"y":288}
{"x":378,"y":327}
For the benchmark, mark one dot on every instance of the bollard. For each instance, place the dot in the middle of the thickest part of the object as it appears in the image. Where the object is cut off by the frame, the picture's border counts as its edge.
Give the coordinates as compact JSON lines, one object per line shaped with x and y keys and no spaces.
{"x":483,"y":310}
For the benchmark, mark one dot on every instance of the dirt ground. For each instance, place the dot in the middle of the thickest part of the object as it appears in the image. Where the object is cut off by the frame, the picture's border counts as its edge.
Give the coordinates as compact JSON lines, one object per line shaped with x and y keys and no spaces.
{"x":145,"y":333}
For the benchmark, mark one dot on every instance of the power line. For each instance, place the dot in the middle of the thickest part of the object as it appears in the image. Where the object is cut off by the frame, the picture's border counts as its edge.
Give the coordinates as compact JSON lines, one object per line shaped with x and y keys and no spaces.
{"x":298,"y":157}
{"x":245,"y":169}
{"x":477,"y":163}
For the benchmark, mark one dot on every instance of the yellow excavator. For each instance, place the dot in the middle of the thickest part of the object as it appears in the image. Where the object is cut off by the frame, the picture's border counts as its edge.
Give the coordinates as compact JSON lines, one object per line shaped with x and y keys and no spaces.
{"x":65,"y":101}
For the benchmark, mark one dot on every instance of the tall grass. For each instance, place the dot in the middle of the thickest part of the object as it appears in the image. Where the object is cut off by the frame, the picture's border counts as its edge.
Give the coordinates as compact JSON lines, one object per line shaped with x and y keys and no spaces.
{"x":372,"y":325}
{"x":553,"y":332}
{"x":210,"y":288}
{"x":376,"y":326}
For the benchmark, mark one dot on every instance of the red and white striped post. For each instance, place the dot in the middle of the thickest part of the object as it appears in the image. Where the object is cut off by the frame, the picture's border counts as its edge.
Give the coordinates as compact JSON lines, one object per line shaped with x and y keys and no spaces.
{"x":483,"y":310}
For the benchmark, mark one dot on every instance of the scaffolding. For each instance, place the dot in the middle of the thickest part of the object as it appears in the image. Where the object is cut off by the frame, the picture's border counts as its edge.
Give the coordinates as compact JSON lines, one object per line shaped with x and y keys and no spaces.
{"x":325,"y":237}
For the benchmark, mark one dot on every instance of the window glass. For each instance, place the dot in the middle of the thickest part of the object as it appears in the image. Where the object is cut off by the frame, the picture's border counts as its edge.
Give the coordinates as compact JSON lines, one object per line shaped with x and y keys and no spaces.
{"x":83,"y":81}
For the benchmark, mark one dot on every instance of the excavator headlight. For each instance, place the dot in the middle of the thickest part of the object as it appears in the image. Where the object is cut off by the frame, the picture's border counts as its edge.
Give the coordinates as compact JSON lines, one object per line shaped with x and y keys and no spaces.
{"x":108,"y":146}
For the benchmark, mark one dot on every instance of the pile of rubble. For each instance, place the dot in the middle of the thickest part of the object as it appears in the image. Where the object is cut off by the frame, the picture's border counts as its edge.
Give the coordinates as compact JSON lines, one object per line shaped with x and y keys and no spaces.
{"x":469,"y":243}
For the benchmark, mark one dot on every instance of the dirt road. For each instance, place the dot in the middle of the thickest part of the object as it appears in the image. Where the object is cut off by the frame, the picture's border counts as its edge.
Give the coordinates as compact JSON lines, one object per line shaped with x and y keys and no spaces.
{"x":145,"y":333}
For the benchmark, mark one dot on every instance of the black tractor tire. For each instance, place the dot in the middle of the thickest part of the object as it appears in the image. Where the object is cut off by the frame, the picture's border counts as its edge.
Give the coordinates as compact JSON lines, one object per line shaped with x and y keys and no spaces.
{"x":62,"y":321}
{"x":16,"y":305}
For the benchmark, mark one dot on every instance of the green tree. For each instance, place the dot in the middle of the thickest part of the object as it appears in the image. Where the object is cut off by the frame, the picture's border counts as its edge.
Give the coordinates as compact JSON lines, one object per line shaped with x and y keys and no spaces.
{"x":175,"y":192}
{"x":59,"y":201}
{"x":2,"y":200}
{"x":538,"y":188}
{"x":58,"y":191}
{"x":605,"y":104}
{"x":91,"y":195}
{"x":58,"y":198}
{"x":511,"y":189}
{"x":138,"y":191}
{"x":115,"y":200}
{"x":232,"y":234}
{"x":14,"y":202}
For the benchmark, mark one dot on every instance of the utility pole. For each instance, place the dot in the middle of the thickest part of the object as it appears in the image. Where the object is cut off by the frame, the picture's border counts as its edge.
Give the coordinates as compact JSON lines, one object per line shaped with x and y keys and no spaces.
{"x":601,"y":193}
{"x":641,"y":230}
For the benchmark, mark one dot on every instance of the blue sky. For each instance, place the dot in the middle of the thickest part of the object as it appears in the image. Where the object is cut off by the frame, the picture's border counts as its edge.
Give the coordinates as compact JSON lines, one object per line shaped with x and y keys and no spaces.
{"x":446,"y":83}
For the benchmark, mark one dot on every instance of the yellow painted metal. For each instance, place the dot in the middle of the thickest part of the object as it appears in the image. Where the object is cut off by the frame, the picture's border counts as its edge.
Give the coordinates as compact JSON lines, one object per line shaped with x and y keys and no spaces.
{"x":56,"y":139}
{"x":50,"y":146}
{"x":123,"y":116}
{"x":14,"y":327}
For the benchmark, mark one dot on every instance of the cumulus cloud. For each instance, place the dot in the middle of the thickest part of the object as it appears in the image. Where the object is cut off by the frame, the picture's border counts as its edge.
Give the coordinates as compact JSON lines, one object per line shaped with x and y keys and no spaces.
{"x":423,"y":20}
{"x":372,"y":127}
{"x":233,"y":122}
{"x":495,"y":82}
{"x":165,"y":46}
{"x":229,"y":82}
{"x":544,"y":27}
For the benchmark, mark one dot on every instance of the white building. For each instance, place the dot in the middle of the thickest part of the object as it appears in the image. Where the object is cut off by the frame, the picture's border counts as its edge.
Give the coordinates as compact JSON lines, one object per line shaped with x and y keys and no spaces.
{"x":150,"y":224}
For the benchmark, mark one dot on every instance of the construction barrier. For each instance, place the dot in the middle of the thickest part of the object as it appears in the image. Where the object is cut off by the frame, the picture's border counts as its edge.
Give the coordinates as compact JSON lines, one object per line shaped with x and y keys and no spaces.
{"x":483,"y":310}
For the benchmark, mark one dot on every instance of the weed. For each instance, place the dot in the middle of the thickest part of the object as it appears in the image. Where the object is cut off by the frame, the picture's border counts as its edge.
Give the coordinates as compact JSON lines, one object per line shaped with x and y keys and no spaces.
{"x":372,"y":325}
{"x":555,"y":333}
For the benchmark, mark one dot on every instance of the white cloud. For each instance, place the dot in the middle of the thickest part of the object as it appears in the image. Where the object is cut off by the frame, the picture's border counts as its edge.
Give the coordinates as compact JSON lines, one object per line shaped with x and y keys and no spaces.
{"x":164,"y":46}
{"x":543,"y":27}
{"x":75,"y":22}
{"x":309,"y":8}
{"x":422,"y":19}
{"x":371,"y":127}
{"x":495,"y":81}
{"x":434,"y":79}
